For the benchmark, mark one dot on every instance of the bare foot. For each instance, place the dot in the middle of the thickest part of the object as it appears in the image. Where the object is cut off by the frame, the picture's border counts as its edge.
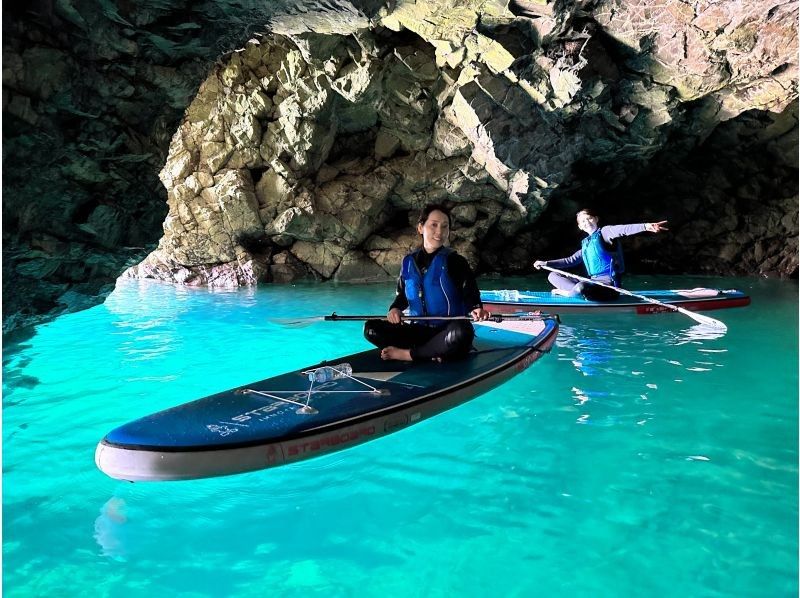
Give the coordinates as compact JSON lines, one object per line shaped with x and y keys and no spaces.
{"x":395,"y":353}
{"x":561,"y":293}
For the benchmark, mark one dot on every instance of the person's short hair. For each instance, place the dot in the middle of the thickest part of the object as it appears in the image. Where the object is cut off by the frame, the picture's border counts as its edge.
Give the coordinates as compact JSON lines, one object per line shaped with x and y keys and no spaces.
{"x":432,"y":207}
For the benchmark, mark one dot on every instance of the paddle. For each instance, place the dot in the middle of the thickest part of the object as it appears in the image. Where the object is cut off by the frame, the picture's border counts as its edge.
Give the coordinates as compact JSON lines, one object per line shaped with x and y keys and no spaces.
{"x":334,"y":317}
{"x":704,"y":320}
{"x":492,"y":317}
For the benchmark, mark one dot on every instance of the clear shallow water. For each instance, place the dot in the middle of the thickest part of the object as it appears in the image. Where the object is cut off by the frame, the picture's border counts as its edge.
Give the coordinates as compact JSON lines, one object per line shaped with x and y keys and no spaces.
{"x":635,"y":459}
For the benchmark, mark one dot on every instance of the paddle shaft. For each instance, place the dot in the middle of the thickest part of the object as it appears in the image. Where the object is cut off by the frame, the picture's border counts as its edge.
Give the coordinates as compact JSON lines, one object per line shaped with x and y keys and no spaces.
{"x":493,"y":317}
{"x":696,"y":317}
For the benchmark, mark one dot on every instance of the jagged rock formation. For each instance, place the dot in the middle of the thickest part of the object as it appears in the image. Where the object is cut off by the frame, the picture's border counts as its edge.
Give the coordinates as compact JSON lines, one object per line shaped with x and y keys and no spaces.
{"x":92,"y":93}
{"x":731,"y":202}
{"x":307,"y":151}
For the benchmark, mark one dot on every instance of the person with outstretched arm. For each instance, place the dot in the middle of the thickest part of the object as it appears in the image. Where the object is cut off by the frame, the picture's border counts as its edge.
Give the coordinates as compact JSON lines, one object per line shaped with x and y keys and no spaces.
{"x":599,"y":254}
{"x":434,"y":281}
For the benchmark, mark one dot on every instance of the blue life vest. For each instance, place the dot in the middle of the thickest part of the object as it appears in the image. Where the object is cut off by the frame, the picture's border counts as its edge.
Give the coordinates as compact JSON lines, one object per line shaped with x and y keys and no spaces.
{"x":431,"y":294}
{"x":600,"y":260}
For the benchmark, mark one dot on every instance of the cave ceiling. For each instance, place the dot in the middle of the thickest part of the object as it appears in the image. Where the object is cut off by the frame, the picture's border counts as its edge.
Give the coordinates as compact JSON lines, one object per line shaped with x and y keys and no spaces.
{"x":231,"y":143}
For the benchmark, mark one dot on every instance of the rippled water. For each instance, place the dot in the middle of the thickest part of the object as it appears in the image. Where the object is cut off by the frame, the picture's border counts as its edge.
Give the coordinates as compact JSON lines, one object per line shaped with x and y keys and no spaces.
{"x":638,"y":458}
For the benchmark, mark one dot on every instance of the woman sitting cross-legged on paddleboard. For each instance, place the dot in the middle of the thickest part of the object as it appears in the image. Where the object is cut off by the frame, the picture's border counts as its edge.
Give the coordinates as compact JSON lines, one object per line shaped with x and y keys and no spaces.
{"x":603,"y":260}
{"x":434,"y":281}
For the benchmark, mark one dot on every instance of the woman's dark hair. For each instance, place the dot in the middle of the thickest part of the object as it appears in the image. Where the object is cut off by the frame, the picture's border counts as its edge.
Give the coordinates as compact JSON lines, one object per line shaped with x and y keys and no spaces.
{"x":432,"y":207}
{"x":588,"y":212}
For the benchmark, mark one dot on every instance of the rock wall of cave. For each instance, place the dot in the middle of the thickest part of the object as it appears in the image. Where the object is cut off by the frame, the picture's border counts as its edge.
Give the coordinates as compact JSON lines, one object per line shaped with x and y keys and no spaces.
{"x":298,"y":139}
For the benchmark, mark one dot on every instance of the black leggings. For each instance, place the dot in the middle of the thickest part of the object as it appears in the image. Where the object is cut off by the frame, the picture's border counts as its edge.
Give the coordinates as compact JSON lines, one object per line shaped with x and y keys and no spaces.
{"x":447,"y":341}
{"x":592,"y":292}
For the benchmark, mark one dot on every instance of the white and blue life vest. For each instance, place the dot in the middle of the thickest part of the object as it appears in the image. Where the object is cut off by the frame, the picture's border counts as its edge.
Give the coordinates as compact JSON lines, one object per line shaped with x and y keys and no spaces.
{"x":431,"y":294}
{"x":600,"y":260}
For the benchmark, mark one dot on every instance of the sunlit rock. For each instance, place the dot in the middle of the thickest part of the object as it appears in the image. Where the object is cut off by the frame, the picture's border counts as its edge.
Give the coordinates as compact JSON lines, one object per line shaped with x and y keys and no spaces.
{"x":243,"y":133}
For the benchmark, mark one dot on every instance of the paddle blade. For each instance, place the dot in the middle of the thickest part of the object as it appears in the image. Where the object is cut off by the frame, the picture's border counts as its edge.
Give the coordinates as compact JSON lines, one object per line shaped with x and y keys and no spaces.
{"x":699,"y":332}
{"x":296,"y":322}
{"x":710,"y":323}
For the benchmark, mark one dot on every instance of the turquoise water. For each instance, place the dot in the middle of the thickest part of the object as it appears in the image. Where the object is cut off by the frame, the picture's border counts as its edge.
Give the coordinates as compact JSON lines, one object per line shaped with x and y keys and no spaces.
{"x":638,"y":458}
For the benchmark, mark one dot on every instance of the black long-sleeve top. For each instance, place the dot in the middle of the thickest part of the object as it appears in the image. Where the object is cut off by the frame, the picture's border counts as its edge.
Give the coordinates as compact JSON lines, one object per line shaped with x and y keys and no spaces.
{"x":460,"y":273}
{"x":609,"y":233}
